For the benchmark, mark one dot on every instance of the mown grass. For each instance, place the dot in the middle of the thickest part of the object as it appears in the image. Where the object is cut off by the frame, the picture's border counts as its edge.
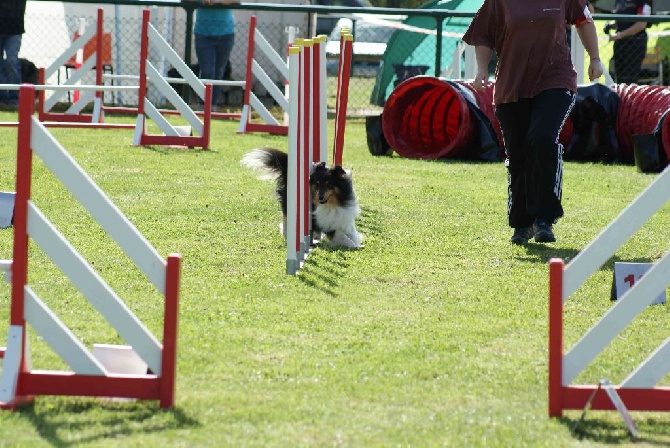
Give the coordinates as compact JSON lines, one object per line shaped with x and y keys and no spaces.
{"x":434,"y":334}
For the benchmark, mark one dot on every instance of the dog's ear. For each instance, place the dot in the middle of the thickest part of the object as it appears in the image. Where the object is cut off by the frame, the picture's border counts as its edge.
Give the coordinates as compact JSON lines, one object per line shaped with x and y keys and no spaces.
{"x":339,"y":171}
{"x":318,"y":166}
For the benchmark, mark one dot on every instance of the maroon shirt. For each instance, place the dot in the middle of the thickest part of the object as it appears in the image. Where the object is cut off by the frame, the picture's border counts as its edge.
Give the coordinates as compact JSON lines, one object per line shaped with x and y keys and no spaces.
{"x":529,"y":37}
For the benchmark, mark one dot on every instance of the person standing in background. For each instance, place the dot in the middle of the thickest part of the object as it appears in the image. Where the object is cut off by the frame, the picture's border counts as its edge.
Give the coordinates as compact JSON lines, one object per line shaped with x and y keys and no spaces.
{"x":630,"y":40}
{"x":12,"y":13}
{"x":214,"y":32}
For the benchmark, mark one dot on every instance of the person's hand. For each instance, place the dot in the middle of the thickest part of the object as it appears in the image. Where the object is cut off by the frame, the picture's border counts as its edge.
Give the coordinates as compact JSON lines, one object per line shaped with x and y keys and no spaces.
{"x":481,"y":80}
{"x":595,"y":69}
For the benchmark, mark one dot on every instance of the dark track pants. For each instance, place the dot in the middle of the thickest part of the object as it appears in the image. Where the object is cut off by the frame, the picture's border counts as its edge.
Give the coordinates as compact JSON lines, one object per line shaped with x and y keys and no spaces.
{"x":534,"y":160}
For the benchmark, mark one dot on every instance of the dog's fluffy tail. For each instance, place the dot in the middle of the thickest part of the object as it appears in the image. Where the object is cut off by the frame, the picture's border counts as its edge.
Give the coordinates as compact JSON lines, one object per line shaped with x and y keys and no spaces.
{"x":268,"y":163}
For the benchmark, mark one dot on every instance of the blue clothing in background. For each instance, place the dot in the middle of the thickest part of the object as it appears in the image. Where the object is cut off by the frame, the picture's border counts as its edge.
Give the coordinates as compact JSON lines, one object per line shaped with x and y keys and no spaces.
{"x":214,"y":22}
{"x":214,"y":39}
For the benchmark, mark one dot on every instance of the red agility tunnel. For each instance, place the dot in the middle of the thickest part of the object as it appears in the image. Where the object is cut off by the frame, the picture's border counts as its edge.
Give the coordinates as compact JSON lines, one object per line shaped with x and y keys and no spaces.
{"x":640,"y":110}
{"x":430,"y":118}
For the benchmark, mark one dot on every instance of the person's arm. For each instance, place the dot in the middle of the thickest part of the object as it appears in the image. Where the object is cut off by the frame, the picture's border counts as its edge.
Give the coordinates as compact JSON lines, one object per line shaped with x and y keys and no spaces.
{"x":483,"y":57}
{"x":632,"y":31}
{"x":589,"y":37}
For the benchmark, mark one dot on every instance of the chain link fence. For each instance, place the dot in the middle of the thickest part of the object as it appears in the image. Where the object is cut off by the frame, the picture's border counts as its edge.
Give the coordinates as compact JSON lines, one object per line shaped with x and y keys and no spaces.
{"x":50,"y":30}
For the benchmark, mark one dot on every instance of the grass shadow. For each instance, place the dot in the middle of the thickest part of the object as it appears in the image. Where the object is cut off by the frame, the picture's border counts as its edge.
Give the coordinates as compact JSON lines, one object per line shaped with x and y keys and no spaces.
{"x":541,"y":253}
{"x":615,"y":432}
{"x":327,"y":264}
{"x":167,"y":150}
{"x":324,"y":268}
{"x":97,"y":420}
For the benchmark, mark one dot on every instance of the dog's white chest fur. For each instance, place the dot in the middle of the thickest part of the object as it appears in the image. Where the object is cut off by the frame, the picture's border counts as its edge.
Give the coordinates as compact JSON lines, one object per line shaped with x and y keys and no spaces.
{"x":340,"y":220}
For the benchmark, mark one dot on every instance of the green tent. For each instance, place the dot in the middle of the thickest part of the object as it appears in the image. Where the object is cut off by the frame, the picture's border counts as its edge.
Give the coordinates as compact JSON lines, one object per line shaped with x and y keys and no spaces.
{"x":412,"y":52}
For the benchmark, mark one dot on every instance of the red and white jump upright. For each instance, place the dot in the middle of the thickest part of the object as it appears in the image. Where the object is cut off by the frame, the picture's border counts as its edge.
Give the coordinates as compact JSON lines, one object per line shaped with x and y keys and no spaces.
{"x":149,"y":74}
{"x":307,"y":139}
{"x":255,"y":71}
{"x":73,"y":114}
{"x":639,"y":391}
{"x":18,"y":382}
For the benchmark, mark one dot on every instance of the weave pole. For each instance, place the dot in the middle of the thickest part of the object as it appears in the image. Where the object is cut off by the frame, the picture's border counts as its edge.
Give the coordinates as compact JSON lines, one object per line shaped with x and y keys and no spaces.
{"x":293,"y":252}
{"x":307,"y":134}
{"x":344,"y":72}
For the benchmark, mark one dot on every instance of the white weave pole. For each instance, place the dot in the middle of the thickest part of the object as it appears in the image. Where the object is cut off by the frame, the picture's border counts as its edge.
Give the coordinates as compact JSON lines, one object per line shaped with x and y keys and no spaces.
{"x":293,"y":194}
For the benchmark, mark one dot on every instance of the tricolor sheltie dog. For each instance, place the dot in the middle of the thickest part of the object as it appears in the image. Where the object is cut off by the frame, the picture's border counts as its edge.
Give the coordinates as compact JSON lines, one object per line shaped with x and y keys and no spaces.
{"x":334,"y":202}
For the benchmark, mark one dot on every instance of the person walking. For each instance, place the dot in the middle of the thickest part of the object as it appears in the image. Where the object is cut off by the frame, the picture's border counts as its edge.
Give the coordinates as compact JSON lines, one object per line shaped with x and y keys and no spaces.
{"x":12,"y":14}
{"x":630,"y":40}
{"x":535,"y":89}
{"x":214,"y":31}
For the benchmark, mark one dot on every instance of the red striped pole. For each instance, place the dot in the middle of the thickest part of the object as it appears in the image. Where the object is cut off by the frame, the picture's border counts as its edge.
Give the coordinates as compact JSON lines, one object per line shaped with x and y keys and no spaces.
{"x":20,"y":252}
{"x":316,"y":109}
{"x":555,"y":337}
{"x":170,"y":327}
{"x":307,"y":148}
{"x":23,"y":176}
{"x":344,"y":70}
{"x":144,"y":57}
{"x":98,"y":51}
{"x":246,"y":114}
{"x":79,"y":56}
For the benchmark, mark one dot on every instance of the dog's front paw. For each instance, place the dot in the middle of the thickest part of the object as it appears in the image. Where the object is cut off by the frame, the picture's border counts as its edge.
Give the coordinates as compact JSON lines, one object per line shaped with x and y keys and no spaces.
{"x":341,"y":240}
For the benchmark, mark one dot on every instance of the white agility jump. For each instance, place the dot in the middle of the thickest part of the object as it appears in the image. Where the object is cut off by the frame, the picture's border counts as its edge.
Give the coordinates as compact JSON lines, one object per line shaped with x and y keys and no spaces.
{"x":65,"y":88}
{"x":149,"y":73}
{"x":254,"y":71}
{"x":640,"y":390}
{"x":73,"y":113}
{"x":89,"y":377}
{"x":173,"y":135}
{"x":307,"y":138}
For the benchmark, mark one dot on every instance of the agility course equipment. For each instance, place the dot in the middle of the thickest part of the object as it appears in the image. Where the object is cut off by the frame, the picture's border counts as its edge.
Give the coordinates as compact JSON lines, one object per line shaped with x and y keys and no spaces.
{"x":255,"y":71}
{"x":429,"y":118}
{"x":307,"y":143}
{"x":73,"y":113}
{"x":641,"y":107}
{"x":65,"y":124}
{"x":639,"y":391}
{"x":342,"y":94}
{"x":148,"y":73}
{"x":19,"y":383}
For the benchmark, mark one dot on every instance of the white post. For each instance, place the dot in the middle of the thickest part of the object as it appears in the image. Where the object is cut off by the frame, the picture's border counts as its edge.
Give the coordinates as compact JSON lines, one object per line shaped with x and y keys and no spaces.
{"x":291,"y":31}
{"x":290,"y":226}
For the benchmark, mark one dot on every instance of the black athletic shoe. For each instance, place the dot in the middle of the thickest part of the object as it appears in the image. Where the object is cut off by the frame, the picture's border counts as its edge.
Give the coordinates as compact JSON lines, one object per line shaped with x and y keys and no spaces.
{"x":543,"y":232}
{"x":521,"y":235}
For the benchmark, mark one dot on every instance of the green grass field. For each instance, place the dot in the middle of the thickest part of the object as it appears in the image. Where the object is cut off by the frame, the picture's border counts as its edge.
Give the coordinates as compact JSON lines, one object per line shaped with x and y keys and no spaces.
{"x":433,"y":334}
